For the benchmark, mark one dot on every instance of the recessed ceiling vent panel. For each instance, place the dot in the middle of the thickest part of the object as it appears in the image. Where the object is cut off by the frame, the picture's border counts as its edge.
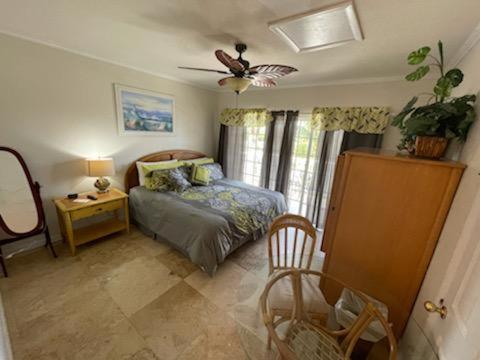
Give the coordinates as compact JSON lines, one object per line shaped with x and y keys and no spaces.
{"x":319,"y":29}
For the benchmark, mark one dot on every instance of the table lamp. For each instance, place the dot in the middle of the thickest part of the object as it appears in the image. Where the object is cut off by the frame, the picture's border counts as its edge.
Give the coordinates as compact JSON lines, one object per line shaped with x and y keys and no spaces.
{"x":99,"y":168}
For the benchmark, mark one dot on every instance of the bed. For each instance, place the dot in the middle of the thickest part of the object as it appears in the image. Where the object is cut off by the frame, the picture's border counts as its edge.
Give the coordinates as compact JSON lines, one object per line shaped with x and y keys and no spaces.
{"x":205,"y":223}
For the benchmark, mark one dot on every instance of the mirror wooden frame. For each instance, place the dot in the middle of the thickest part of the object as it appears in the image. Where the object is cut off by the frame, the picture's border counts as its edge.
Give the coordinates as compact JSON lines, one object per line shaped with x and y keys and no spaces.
{"x":40,"y":228}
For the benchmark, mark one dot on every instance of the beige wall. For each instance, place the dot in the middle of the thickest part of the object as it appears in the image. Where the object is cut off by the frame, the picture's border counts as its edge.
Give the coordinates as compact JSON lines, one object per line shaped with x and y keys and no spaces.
{"x":393,"y":94}
{"x":58,"y":108}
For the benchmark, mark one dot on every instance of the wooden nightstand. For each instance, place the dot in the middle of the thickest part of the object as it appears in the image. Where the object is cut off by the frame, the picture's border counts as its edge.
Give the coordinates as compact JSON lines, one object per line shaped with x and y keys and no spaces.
{"x":69,"y":211}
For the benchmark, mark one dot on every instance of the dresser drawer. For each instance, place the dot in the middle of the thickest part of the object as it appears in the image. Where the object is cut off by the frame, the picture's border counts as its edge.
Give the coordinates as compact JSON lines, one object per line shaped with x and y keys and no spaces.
{"x":96,"y":209}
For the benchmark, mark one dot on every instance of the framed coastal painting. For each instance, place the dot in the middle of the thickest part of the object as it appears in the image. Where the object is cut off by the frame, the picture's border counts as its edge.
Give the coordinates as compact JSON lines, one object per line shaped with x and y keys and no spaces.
{"x":143,"y":112}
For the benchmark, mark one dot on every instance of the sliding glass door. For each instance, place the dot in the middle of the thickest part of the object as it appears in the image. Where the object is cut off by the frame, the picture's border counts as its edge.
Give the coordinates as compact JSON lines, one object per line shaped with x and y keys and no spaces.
{"x":311,"y":152}
{"x":308,"y":148}
{"x":304,"y":157}
{"x":253,"y":154}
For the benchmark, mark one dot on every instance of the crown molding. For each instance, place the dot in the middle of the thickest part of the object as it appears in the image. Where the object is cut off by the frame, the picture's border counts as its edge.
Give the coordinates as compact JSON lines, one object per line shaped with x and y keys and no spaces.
{"x":108,"y":61}
{"x":467,"y":46}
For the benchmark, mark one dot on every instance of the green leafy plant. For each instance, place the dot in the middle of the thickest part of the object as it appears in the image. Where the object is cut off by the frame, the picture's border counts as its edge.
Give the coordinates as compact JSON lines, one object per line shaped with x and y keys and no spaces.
{"x":443,"y":115}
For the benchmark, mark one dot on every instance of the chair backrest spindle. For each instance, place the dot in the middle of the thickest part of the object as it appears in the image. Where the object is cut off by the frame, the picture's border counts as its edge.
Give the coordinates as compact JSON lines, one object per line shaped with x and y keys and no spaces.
{"x":291,"y":245}
{"x":294,"y":247}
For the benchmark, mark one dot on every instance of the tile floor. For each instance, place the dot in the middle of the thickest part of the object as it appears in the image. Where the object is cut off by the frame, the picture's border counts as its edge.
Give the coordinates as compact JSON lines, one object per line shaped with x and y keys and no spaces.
{"x":130,"y":297}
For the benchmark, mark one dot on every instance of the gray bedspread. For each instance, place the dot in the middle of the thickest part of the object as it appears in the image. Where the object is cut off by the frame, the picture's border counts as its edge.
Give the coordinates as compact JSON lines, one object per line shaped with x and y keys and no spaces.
{"x":207,"y":223}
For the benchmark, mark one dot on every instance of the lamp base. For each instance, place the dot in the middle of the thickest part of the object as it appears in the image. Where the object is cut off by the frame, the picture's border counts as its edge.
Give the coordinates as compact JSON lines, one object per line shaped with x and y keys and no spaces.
{"x":102,"y":185}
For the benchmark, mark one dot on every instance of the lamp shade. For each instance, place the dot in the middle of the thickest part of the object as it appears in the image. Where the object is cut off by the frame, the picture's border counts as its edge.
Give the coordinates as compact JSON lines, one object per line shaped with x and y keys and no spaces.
{"x":100,"y":167}
{"x":238,"y":85}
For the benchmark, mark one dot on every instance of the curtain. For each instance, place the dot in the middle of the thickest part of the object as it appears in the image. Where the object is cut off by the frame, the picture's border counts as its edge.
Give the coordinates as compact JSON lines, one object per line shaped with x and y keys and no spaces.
{"x":285,"y":156}
{"x":365,"y":120}
{"x":245,"y":117}
{"x":328,"y":149}
{"x":353,"y":139}
{"x":222,"y":147}
{"x":271,"y":154}
{"x":234,"y":152}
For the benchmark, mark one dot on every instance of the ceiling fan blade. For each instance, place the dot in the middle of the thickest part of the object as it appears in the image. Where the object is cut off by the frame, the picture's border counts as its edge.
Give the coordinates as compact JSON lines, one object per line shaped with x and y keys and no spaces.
{"x":263,"y":82}
{"x":200,"y":69}
{"x":271,"y":71}
{"x":228,"y":61}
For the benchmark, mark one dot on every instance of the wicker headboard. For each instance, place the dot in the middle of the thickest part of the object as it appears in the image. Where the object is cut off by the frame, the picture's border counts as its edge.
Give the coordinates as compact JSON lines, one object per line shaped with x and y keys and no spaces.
{"x":131,"y":176}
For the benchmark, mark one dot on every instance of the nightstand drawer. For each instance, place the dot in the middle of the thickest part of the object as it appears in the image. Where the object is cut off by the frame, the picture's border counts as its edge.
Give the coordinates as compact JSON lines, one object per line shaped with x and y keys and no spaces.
{"x":96,"y":209}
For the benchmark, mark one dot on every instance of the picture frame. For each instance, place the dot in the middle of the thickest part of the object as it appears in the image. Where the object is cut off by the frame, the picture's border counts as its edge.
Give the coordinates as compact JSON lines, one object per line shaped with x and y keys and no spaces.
{"x":143,"y":112}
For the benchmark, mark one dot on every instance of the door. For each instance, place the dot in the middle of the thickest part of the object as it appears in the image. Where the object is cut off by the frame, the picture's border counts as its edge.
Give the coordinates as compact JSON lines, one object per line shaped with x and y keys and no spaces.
{"x":454,"y":276}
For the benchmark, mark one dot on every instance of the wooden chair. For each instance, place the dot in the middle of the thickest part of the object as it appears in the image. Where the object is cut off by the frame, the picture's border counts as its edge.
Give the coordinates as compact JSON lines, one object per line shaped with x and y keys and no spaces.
{"x":306,"y":339}
{"x":291,"y":245}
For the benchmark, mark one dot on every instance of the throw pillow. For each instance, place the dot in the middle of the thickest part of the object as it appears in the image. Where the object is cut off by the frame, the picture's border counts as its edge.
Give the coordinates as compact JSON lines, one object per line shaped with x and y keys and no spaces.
{"x":200,"y":175}
{"x":158,"y":180}
{"x":141,"y":174}
{"x":216,"y":172}
{"x":186,"y":171}
{"x":177,"y":180}
{"x":148,"y":168}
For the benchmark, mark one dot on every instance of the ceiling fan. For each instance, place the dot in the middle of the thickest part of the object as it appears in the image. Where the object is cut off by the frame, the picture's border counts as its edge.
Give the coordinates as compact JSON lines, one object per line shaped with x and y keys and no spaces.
{"x":242,"y":74}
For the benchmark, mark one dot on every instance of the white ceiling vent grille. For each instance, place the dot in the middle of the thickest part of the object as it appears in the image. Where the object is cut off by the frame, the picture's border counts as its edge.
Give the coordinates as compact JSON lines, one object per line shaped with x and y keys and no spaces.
{"x":319,"y":29}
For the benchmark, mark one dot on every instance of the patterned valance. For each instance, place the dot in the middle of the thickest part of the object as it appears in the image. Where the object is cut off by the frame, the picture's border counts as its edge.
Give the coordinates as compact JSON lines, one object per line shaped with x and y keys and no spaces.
{"x":365,"y":120}
{"x":245,"y":117}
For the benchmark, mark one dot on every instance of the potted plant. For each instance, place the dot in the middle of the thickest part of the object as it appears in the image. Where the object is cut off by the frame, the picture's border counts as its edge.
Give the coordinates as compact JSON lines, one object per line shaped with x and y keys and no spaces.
{"x":426,"y":130}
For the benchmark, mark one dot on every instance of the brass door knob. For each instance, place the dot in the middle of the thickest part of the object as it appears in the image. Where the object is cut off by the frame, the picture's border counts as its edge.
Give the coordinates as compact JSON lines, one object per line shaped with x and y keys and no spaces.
{"x":432,"y":307}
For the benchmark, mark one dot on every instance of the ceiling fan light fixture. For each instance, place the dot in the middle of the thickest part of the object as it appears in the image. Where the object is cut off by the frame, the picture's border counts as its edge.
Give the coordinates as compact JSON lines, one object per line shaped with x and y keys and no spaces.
{"x":237,"y":84}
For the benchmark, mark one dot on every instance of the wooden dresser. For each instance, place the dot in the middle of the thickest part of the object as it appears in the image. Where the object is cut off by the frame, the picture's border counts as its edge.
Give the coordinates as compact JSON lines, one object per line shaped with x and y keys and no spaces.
{"x":384,"y":219}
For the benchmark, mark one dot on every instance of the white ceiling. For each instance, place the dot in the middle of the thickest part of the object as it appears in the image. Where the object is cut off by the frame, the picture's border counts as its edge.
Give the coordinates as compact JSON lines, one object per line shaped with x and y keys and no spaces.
{"x":158,"y":35}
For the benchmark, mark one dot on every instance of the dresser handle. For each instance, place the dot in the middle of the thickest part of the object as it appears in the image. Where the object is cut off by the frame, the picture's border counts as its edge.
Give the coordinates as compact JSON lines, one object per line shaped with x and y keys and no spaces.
{"x":99,"y":209}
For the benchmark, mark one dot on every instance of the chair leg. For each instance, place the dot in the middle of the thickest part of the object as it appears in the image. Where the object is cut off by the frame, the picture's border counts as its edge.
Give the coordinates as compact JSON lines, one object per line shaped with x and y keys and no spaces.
{"x":2,"y":263}
{"x":48,"y":242}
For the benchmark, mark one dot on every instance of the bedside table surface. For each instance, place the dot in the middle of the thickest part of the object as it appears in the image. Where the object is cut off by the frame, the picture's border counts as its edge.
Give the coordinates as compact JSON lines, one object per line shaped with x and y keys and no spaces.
{"x":66,"y":204}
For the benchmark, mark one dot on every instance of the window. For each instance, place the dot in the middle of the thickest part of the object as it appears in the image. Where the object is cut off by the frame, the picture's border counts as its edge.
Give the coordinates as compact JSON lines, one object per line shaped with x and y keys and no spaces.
{"x":253,"y":154}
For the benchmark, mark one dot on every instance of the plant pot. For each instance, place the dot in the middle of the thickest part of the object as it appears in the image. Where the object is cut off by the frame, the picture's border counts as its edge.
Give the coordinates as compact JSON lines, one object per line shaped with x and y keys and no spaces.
{"x":433,"y":147}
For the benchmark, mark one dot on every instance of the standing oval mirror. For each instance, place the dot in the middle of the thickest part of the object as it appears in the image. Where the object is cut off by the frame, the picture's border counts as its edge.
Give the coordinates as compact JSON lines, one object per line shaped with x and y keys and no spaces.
{"x":21,"y":210}
{"x":18,"y":209}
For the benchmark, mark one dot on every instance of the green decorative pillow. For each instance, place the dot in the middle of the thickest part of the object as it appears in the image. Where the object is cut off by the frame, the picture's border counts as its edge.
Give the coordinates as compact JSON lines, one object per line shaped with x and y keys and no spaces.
{"x":158,"y":180}
{"x":200,"y":175}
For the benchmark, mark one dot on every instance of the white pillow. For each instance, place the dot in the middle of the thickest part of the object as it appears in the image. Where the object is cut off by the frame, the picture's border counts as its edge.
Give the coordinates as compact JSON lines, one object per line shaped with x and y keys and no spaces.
{"x":141,"y":175}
